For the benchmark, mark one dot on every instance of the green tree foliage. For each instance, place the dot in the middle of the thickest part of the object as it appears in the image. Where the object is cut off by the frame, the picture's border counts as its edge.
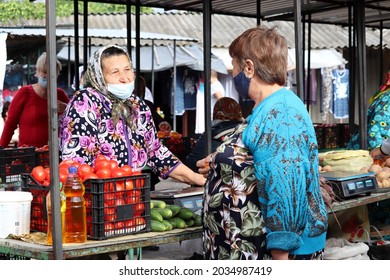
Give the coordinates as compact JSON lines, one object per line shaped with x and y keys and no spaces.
{"x":14,"y":10}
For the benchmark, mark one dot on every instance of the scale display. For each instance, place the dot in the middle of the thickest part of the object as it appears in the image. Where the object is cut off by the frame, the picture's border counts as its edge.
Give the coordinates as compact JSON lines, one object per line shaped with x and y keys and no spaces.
{"x":191,"y":197}
{"x":349,"y":184}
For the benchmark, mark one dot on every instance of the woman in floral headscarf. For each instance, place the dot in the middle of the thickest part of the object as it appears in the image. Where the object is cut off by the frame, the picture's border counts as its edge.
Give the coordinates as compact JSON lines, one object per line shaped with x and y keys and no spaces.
{"x":106,"y":118}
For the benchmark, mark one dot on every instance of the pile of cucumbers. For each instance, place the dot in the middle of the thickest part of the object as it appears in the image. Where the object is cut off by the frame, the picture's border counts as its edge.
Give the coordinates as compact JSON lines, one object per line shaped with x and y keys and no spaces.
{"x":165,"y":217}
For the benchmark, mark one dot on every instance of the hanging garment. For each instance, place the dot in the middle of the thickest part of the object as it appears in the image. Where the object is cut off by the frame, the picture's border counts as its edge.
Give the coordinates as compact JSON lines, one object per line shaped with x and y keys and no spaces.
{"x":311,"y":90}
{"x":326,"y":92}
{"x":200,"y":113}
{"x":339,"y":105}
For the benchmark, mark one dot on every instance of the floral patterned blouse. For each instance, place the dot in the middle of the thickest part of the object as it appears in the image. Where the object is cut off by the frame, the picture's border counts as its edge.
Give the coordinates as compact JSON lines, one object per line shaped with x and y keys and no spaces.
{"x":87,"y":130}
{"x":233,"y":222}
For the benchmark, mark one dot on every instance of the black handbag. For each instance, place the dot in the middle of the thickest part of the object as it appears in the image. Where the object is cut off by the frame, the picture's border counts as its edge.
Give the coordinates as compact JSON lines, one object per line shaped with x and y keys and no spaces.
{"x":379,"y":249}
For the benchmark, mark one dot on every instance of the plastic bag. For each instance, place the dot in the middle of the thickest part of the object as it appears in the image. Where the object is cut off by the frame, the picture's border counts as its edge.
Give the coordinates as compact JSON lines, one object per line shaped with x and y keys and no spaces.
{"x":342,"y":249}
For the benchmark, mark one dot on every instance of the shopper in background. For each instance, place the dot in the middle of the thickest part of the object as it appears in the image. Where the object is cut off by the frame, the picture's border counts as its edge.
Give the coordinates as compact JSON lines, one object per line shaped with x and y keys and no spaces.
{"x":226,"y":116}
{"x":107,"y":119}
{"x":29,"y":110}
{"x":292,"y":223}
{"x":378,"y":119}
{"x":4,"y":114}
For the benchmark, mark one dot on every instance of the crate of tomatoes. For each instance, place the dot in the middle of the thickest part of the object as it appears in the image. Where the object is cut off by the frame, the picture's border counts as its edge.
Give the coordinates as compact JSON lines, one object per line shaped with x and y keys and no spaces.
{"x":117,"y":198}
{"x":14,"y":162}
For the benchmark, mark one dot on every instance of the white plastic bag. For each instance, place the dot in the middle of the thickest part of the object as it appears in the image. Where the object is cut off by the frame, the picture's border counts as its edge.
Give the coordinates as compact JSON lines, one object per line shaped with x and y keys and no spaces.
{"x":342,"y":249}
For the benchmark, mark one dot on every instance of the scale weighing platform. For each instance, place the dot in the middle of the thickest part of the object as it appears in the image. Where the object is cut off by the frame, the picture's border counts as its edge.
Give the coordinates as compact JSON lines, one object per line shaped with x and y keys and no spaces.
{"x":349,"y":184}
{"x":191,"y":197}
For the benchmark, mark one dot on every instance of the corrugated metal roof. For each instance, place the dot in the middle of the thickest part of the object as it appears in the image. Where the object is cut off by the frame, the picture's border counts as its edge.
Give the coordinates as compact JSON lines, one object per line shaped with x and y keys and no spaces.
{"x":377,"y":12}
{"x":224,"y":28}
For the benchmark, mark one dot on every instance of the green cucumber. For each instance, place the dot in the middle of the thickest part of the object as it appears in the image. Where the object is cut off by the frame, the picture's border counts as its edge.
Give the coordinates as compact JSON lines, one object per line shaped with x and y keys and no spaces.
{"x":185,"y":213}
{"x":166,"y":213}
{"x":167,"y":224}
{"x":158,"y":203}
{"x":157,"y":226}
{"x":175,"y":209}
{"x":177,"y":222}
{"x":155,"y":215}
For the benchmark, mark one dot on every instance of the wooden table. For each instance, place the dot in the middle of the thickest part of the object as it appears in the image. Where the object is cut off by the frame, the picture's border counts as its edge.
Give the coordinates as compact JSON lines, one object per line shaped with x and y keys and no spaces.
{"x":358,"y":201}
{"x":93,"y":247}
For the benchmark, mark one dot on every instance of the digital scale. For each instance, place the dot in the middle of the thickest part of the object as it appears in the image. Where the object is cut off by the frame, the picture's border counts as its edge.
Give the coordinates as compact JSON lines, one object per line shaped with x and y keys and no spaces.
{"x":349,"y":184}
{"x":191,"y":197}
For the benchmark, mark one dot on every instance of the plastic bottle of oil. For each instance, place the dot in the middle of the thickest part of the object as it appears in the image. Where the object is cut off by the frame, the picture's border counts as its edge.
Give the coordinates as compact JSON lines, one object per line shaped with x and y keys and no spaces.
{"x":75,"y":213}
{"x":49,"y":219}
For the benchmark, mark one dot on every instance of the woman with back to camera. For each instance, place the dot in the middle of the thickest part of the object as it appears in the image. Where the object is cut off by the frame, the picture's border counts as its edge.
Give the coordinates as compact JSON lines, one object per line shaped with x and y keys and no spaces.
{"x":226,"y":116}
{"x":28,"y":109}
{"x":106,"y":118}
{"x":280,"y":135}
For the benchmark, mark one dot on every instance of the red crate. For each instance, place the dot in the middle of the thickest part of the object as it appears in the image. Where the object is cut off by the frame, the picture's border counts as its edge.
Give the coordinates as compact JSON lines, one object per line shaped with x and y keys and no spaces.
{"x":115,"y":206}
{"x":14,"y":162}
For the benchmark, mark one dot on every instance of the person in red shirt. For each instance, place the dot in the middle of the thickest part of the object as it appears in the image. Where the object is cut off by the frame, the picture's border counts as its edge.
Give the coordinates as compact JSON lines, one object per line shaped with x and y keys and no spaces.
{"x":28,"y":109}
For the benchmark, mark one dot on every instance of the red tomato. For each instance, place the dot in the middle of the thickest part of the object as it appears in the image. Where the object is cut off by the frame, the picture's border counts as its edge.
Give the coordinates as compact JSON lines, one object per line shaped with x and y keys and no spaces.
{"x":117,"y":172}
{"x":108,"y":226}
{"x":45,"y":183}
{"x":113,"y":163}
{"x":130,"y":224}
{"x":47,"y":174}
{"x":84,"y":169}
{"x":139,"y":209}
{"x":120,"y":187}
{"x":129,"y":185}
{"x":38,"y":173}
{"x":140,"y":221}
{"x":103,"y":173}
{"x":119,"y":225}
{"x":127,"y":169}
{"x":102,"y":164}
{"x":109,"y":213}
{"x":119,"y":201}
{"x":139,"y":183}
{"x":88,"y":176}
{"x":67,"y":163}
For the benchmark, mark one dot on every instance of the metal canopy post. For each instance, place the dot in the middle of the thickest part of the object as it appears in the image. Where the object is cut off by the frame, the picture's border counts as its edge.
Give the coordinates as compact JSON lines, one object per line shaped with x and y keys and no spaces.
{"x":51,"y":60}
{"x":207,"y":8}
{"x":361,"y":65}
{"x":174,"y":86}
{"x":298,"y":48}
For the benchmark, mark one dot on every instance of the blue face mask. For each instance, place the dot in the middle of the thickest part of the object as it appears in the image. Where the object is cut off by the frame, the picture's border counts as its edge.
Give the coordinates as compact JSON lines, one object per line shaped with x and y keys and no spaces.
{"x":241,"y":83}
{"x":42,"y":82}
{"x":121,"y":91}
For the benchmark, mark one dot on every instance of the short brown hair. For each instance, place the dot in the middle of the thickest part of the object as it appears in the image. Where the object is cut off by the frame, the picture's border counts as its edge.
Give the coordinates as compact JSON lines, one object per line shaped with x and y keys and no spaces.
{"x":267,"y":49}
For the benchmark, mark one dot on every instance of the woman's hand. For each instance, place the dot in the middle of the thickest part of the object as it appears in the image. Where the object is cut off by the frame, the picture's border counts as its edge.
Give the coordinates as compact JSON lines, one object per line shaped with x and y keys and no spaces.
{"x":279,"y":255}
{"x":204,"y":166}
{"x":376,"y":152}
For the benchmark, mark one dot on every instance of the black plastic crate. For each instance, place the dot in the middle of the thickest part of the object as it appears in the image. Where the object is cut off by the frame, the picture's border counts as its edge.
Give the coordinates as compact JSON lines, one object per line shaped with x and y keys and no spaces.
{"x":12,"y":257}
{"x":115,"y":206}
{"x":118,"y":206}
{"x":38,"y":218}
{"x":15,"y":161}
{"x":42,"y":158}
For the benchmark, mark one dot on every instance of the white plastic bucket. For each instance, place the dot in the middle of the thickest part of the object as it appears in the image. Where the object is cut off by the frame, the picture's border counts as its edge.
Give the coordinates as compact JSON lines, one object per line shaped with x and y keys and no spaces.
{"x":15,"y":210}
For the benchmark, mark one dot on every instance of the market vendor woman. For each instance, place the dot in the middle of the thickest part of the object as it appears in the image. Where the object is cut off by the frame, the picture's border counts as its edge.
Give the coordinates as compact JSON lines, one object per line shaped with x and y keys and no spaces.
{"x":107,"y":119}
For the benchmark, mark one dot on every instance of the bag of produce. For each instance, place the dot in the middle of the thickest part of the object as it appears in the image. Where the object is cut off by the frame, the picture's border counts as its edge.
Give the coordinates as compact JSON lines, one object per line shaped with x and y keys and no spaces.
{"x":346,"y":160}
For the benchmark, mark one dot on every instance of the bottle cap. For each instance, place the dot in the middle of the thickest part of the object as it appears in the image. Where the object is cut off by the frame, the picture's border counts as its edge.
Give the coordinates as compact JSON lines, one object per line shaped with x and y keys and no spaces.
{"x":72,"y":169}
